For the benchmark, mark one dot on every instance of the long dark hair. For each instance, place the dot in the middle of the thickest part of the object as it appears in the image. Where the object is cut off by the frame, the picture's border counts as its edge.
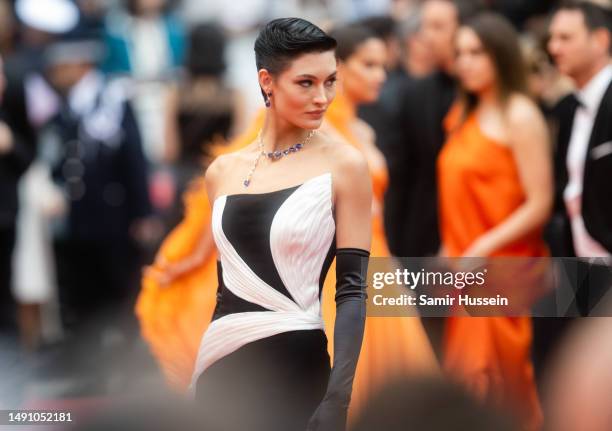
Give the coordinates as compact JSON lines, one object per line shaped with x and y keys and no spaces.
{"x":282,"y":40}
{"x":501,"y":42}
{"x":206,"y":52}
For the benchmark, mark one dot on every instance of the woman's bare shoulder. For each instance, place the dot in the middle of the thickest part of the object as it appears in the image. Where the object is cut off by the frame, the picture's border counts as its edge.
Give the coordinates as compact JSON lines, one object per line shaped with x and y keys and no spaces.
{"x":223,"y":165}
{"x":347,"y":163}
{"x":364,"y":131}
{"x":522,"y":109}
{"x":526,"y":123}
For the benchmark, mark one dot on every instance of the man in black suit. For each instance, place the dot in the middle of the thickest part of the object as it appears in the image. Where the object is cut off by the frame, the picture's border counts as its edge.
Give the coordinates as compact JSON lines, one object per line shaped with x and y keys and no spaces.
{"x":580,"y":43}
{"x":411,"y":207}
{"x":411,"y":210}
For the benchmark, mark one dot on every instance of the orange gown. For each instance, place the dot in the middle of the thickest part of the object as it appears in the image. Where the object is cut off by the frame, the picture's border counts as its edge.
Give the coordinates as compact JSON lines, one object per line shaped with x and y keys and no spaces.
{"x":479,"y":187}
{"x":392,"y":346}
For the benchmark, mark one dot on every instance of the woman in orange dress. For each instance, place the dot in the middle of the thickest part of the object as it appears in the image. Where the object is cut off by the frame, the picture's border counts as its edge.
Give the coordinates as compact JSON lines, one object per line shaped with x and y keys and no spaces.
{"x":392,"y":346}
{"x":494,"y":178}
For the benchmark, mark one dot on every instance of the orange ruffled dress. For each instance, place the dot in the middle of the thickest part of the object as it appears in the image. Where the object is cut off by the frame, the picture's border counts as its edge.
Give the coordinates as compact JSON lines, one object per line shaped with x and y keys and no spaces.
{"x":392,"y":346}
{"x":479,"y":187}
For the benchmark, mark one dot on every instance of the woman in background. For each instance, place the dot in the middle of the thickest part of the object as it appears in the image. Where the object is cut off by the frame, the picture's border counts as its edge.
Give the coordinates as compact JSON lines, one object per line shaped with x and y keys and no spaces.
{"x":495,"y":184}
{"x":143,"y":39}
{"x":176,"y":301}
{"x":200,"y":111}
{"x":177,"y":298}
{"x":147,"y":42}
{"x":393,"y":346}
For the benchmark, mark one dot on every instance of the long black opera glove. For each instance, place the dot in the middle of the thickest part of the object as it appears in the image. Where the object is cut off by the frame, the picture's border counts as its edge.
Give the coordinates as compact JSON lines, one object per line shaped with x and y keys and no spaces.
{"x":351,"y":272}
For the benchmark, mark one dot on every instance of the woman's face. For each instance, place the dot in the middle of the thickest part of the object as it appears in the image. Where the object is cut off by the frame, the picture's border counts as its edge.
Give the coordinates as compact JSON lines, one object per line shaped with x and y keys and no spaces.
{"x":363,"y":73}
{"x":302,"y":93}
{"x":474,"y":66}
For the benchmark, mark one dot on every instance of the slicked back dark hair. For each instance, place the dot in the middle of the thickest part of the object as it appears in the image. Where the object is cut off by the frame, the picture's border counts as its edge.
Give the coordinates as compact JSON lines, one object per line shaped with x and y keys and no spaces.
{"x":595,"y":16}
{"x":349,"y":37}
{"x":283,"y":40}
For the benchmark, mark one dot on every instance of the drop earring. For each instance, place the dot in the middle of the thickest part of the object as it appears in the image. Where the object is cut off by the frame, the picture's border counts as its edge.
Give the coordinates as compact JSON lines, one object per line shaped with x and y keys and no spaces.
{"x":268,"y":103}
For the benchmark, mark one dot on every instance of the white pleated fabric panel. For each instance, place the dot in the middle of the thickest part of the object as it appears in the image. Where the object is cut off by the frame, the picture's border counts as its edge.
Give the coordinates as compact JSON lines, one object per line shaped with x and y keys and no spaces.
{"x":238,"y":277}
{"x":301,"y":234}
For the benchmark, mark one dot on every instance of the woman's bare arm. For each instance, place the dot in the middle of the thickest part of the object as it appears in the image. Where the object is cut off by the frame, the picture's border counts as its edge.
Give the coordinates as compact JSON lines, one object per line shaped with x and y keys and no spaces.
{"x":353,"y":200}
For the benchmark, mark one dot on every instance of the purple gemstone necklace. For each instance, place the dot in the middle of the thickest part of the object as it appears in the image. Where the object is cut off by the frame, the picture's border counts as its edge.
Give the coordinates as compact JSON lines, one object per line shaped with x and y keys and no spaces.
{"x":274,"y":155}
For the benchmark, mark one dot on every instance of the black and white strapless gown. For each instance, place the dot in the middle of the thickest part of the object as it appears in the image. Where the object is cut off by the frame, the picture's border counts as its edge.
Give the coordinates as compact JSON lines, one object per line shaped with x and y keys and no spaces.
{"x":263,"y":361}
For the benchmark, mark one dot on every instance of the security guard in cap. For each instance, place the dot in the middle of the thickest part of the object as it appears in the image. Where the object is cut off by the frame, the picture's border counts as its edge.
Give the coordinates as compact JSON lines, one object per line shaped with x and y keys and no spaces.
{"x":93,"y":147}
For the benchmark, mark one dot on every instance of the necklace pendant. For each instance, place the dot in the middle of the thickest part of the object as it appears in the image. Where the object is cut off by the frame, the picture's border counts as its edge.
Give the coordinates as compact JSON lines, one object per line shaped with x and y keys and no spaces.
{"x":274,"y":155}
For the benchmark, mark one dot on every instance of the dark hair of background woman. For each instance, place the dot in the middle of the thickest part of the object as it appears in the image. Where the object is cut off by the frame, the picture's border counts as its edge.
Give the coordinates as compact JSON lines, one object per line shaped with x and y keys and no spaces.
{"x":132,"y":6}
{"x":349,"y":38}
{"x":383,"y":26}
{"x":205,"y":55}
{"x":501,"y":42}
{"x":284,"y":39}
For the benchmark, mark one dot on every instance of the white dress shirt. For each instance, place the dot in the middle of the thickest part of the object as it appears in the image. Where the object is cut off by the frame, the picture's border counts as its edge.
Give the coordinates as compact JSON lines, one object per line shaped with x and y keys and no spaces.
{"x":590,"y":97}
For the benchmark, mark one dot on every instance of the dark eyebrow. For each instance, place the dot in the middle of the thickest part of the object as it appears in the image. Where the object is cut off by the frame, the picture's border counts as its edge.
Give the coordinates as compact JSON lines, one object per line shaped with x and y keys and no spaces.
{"x":306,"y":75}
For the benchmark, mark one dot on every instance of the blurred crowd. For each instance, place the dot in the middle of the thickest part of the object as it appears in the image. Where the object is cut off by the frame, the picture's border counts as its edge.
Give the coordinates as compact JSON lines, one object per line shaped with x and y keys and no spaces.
{"x":110,"y":108}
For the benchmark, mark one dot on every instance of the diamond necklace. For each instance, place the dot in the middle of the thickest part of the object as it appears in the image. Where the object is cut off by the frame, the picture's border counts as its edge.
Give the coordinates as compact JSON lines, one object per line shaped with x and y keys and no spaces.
{"x":274,"y":155}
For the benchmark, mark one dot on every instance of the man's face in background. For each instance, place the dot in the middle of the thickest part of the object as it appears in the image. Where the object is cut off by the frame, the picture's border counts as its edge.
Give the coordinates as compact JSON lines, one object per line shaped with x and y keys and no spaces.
{"x":439,"y":23}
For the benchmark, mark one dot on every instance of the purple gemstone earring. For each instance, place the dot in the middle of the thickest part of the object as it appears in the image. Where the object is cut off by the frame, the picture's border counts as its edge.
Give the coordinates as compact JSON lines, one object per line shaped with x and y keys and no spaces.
{"x":268,"y":103}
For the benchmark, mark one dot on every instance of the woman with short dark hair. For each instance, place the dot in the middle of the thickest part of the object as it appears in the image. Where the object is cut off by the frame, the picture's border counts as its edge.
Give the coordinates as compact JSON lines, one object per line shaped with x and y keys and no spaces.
{"x":283,"y":207}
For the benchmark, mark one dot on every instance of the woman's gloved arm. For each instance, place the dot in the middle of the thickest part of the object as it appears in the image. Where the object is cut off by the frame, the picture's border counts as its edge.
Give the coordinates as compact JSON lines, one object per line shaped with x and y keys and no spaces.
{"x":351,"y":272}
